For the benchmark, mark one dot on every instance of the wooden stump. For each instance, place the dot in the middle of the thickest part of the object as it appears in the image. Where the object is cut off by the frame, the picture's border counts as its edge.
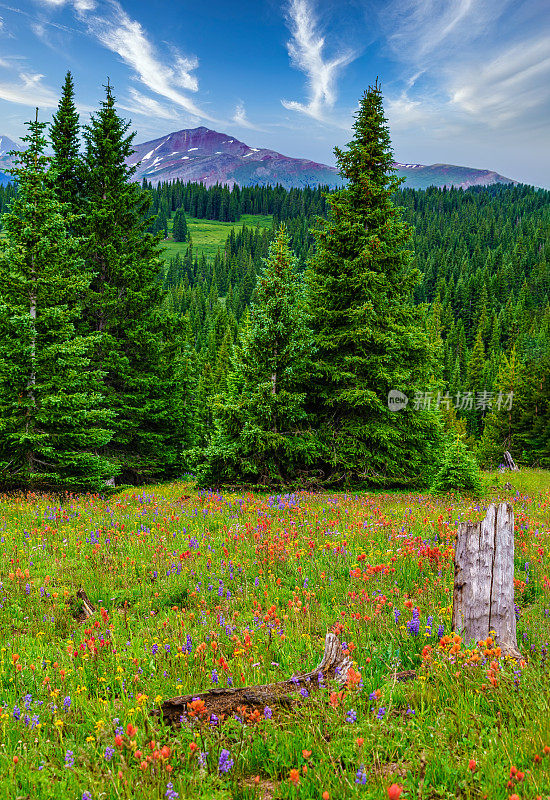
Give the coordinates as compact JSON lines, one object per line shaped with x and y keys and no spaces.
{"x":483,"y":598}
{"x":509,"y":461}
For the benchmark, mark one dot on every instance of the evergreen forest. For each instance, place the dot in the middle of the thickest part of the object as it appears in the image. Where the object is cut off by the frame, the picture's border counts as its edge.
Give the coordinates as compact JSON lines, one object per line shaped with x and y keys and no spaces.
{"x":270,"y":364}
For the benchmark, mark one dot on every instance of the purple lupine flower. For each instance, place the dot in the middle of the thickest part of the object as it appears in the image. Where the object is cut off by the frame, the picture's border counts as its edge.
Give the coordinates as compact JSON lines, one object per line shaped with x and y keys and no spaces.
{"x":413,"y":625}
{"x":225,"y":761}
{"x":351,"y":716}
{"x":27,"y":700}
{"x":304,"y":692}
{"x":396,"y":614}
{"x":66,"y":704}
{"x":16,"y":712}
{"x":171,"y":793}
{"x":34,"y":721}
{"x":69,"y":759}
{"x":154,"y":649}
{"x":268,"y":713}
{"x":381,"y":712}
{"x":109,"y":753}
{"x":440,"y":631}
{"x":86,"y":796}
{"x":214,"y":676}
{"x":214,"y":719}
{"x":361,"y":776}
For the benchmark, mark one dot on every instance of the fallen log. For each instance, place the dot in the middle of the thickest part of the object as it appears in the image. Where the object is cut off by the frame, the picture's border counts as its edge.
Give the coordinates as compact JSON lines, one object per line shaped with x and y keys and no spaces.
{"x":335,"y":665}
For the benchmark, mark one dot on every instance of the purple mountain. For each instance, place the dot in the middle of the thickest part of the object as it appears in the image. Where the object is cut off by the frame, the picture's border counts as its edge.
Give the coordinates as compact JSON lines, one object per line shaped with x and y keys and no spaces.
{"x":210,"y":157}
{"x":206,"y":156}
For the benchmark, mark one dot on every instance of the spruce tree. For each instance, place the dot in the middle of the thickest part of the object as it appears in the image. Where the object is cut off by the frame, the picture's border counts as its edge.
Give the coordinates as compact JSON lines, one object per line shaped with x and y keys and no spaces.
{"x":180,"y":232}
{"x":370,"y":337}
{"x":67,"y":163}
{"x":262,"y":433}
{"x":52,"y":418}
{"x":124,"y":306}
{"x":459,"y":471}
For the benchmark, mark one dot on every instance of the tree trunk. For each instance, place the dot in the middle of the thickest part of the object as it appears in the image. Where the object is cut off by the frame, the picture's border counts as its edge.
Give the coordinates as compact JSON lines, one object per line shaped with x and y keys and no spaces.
{"x":483,"y":599}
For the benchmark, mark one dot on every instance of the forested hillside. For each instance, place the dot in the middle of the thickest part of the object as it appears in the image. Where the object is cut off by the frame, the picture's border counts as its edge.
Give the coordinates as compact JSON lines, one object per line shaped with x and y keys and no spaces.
{"x":484,"y":257}
{"x":453,"y":313}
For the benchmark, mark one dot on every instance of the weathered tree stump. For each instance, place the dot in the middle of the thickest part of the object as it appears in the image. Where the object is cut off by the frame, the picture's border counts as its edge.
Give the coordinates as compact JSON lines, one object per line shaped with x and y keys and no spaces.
{"x":483,"y":598}
{"x":335,"y":665}
{"x":509,"y":462}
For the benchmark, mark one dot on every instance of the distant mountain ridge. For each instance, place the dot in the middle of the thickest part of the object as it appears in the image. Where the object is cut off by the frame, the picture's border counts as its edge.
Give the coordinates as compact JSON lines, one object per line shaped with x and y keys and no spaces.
{"x":210,"y":157}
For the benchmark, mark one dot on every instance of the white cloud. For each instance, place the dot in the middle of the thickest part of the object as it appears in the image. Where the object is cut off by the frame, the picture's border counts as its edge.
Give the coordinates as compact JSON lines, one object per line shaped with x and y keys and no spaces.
{"x":470,"y":67}
{"x":507,"y":87}
{"x":125,"y":36}
{"x":81,"y":6}
{"x":147,"y":106}
{"x":29,"y":91}
{"x":306,"y":50}
{"x":240,"y":118}
{"x":418,"y":29}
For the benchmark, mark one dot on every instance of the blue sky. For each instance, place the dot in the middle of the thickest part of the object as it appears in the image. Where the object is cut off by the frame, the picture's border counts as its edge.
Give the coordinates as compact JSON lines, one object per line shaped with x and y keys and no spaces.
{"x":464,"y":81}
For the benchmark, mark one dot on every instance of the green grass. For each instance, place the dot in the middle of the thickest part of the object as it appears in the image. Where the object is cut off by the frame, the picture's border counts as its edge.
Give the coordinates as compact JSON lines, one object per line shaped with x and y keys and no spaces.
{"x":199,"y":589}
{"x":209,"y":235}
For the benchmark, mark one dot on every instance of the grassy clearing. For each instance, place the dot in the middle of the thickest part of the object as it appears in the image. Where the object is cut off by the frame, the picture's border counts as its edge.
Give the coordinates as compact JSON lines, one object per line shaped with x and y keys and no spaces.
{"x":208,"y":235}
{"x":198,"y":590}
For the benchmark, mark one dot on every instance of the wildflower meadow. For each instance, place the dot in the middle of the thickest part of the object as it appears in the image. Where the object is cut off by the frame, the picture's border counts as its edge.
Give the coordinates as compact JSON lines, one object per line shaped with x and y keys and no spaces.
{"x":199,"y":590}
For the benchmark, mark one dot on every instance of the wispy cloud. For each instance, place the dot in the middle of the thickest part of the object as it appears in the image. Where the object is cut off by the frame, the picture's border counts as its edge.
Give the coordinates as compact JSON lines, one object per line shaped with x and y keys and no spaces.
{"x":306,"y":49}
{"x":121,"y":34}
{"x":28,"y":90}
{"x":240,"y":118}
{"x":147,"y":106}
{"x":507,"y":87}
{"x":170,"y":76}
{"x":81,"y":6}
{"x":468,"y":65}
{"x":418,"y":29}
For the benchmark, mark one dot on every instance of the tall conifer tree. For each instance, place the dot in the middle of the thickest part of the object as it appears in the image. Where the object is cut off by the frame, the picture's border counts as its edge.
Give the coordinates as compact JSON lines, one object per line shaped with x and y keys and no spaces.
{"x":52,"y":419}
{"x":141,"y":378}
{"x":262,"y":432}
{"x":370,"y":337}
{"x":67,"y":163}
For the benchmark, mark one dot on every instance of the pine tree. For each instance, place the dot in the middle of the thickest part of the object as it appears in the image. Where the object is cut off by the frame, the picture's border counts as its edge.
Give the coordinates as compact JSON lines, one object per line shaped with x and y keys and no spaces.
{"x":459,"y":471}
{"x":67,"y":163}
{"x":123,"y":305}
{"x":261,"y":427}
{"x":502,"y":420}
{"x":52,"y":420}
{"x":180,"y":231}
{"x":370,"y":337}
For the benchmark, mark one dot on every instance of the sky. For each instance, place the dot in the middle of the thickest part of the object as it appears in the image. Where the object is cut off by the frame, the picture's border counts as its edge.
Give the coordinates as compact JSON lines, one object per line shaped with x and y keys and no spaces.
{"x":464,"y":81}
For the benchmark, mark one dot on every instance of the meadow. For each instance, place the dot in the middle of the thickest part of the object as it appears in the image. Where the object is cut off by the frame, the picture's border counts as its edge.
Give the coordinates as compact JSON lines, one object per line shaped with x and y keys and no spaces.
{"x":208,"y":235}
{"x":200,"y":590}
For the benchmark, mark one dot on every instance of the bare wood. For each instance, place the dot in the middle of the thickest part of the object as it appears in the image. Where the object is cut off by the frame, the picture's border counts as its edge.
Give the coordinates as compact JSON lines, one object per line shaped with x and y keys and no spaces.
{"x":88,"y":608}
{"x":509,"y":461}
{"x":334,"y":665}
{"x":483,"y":598}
